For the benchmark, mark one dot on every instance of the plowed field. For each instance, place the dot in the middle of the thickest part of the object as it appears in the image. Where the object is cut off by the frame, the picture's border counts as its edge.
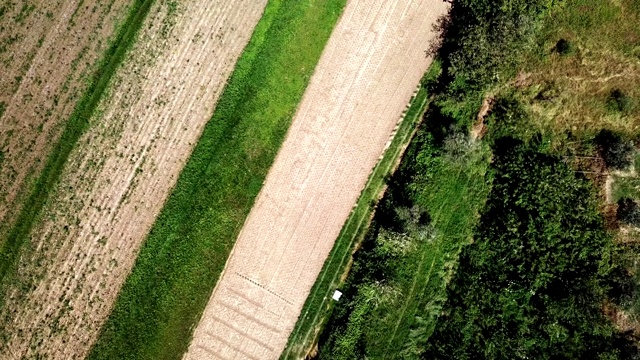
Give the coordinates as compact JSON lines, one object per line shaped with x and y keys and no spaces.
{"x":48,"y":51}
{"x":363,"y":82}
{"x":118,"y":176}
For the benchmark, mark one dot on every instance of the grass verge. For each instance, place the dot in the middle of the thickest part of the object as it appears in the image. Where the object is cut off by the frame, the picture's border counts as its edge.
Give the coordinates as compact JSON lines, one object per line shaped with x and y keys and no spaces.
{"x":75,"y":127}
{"x":319,"y":304}
{"x":183,"y":256}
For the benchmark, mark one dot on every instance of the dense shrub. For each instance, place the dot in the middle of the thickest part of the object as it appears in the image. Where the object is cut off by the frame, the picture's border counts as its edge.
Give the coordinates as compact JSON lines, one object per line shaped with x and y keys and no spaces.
{"x":614,"y":149}
{"x":533,"y":282}
{"x":507,"y":117}
{"x":481,"y":38}
{"x":617,"y":101}
{"x":628,"y":212}
{"x":563,"y":47}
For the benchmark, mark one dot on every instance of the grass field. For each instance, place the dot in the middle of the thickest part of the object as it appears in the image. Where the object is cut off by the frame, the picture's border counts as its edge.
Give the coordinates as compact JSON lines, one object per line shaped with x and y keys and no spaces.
{"x":187,"y":248}
{"x":318,"y":305}
{"x":74,"y":128}
{"x":570,"y":87}
{"x":456,"y":192}
{"x":626,"y":187}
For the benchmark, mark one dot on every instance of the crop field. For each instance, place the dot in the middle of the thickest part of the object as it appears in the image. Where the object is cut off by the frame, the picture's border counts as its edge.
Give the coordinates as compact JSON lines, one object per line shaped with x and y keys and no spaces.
{"x":49,"y":52}
{"x":185,"y":252}
{"x":344,"y":122}
{"x":117,"y":177}
{"x":316,"y":308}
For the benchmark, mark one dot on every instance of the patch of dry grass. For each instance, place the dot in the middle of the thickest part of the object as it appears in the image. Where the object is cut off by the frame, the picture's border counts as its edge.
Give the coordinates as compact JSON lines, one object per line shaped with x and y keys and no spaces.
{"x":594,"y":81}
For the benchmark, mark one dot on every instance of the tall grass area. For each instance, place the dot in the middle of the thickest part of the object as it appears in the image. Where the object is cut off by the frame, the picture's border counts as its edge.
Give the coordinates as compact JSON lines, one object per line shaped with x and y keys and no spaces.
{"x":11,"y":245}
{"x":319,"y":304}
{"x":582,"y":71}
{"x":181,"y":260}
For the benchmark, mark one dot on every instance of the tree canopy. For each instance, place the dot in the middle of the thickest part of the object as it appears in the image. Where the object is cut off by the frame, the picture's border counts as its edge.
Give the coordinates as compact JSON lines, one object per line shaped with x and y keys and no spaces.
{"x":533,"y":282}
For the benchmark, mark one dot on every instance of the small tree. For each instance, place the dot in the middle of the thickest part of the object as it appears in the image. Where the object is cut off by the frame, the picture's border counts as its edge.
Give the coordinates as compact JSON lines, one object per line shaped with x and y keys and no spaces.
{"x":628,"y":212}
{"x":614,"y":149}
{"x":563,"y":47}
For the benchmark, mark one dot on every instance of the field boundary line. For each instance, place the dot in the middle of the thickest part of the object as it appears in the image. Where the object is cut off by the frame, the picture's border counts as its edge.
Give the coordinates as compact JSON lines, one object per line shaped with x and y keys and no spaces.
{"x":186,"y":251}
{"x":350,"y":233}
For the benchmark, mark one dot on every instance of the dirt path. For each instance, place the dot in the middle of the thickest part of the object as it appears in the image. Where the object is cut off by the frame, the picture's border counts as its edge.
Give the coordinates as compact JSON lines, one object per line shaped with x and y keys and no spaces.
{"x":119,"y":175}
{"x":48,"y":50}
{"x":365,"y":78}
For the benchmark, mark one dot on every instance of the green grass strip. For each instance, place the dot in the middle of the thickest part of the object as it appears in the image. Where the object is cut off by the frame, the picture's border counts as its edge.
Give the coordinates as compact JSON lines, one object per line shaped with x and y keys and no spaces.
{"x":182,"y":258}
{"x":318,"y":304}
{"x":75,"y":127}
{"x":453,"y":196}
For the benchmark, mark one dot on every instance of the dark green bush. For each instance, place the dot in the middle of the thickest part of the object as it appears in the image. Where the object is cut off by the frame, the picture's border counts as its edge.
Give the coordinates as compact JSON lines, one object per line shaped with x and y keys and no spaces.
{"x":618,"y":101}
{"x":507,"y":116}
{"x":533,"y":282}
{"x":628,"y":212}
{"x":481,"y":38}
{"x":615,"y":150}
{"x":563,"y":47}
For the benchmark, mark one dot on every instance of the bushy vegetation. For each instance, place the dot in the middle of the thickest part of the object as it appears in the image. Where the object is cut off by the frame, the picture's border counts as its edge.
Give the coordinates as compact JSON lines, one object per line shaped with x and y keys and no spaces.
{"x":394,"y":292}
{"x":187,"y":248}
{"x":616,"y":151}
{"x":533,"y":282}
{"x":618,"y":101}
{"x":628,"y":212}
{"x":480,"y":40}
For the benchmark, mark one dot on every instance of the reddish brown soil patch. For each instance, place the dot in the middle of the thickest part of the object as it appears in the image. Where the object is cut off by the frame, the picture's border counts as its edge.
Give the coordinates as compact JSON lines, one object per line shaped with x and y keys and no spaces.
{"x":48,"y":51}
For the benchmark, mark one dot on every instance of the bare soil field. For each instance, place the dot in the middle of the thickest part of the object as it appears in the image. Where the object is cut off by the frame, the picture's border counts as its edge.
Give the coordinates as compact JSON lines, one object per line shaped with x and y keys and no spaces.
{"x":119,"y":175}
{"x":48,"y":51}
{"x":366,"y":76}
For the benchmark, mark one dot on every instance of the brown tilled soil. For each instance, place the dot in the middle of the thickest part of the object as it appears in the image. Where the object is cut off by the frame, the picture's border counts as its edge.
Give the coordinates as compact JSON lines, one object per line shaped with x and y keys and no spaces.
{"x":120,"y":174}
{"x":366,"y":76}
{"x":48,"y":51}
